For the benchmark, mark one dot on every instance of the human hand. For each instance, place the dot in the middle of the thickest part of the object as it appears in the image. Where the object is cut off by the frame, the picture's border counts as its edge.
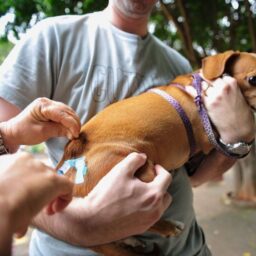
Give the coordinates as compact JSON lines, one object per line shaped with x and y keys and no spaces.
{"x":39,"y":121}
{"x":229,"y":111}
{"x":233,"y":119}
{"x":27,"y":185}
{"x":211,"y":168}
{"x":119,"y":206}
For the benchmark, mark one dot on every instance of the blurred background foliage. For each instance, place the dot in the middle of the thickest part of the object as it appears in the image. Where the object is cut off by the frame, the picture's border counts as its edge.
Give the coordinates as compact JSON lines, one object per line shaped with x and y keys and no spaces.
{"x":194,"y":28}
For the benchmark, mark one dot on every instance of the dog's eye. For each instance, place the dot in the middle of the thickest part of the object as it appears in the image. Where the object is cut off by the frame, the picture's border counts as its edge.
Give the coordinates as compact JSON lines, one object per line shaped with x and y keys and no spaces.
{"x":252,"y":80}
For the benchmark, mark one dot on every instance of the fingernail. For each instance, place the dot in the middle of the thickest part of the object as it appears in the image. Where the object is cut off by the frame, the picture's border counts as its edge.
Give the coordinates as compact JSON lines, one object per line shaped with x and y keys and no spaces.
{"x":143,"y":155}
{"x":70,"y":137}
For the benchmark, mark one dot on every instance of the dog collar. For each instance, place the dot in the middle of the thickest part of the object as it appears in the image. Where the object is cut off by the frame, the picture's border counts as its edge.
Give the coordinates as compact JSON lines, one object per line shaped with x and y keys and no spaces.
{"x":197,"y":84}
{"x":77,"y":163}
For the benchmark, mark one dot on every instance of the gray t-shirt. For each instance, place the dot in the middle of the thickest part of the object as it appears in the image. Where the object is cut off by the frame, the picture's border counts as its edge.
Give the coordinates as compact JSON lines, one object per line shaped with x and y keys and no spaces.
{"x":87,"y":63}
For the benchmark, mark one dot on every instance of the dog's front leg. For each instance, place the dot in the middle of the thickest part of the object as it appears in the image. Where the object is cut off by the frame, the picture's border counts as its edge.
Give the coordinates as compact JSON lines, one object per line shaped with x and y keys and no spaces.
{"x":167,"y":228}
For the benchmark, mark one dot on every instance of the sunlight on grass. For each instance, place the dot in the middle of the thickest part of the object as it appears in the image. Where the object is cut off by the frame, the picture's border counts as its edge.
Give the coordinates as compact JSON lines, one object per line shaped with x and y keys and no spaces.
{"x":5,"y":48}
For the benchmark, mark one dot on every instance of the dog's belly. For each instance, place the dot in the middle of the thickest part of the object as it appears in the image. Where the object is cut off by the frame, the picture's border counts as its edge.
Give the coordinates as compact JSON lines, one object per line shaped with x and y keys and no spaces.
{"x":146,"y":123}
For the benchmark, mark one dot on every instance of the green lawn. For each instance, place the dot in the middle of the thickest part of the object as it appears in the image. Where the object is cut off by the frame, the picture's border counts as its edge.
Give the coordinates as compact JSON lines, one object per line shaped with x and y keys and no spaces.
{"x":5,"y":47}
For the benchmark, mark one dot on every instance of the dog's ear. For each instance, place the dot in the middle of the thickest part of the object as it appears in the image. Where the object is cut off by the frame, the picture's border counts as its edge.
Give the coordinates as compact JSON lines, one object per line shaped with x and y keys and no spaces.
{"x":214,"y":66}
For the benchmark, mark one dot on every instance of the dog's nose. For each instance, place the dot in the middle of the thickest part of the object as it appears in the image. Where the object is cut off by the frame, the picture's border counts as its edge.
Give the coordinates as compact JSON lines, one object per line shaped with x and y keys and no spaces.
{"x":252,"y":80}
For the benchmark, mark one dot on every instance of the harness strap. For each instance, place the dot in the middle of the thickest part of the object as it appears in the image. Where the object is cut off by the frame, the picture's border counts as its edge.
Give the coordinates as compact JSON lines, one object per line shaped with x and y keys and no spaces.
{"x":197,"y":84}
{"x":183,"y":116}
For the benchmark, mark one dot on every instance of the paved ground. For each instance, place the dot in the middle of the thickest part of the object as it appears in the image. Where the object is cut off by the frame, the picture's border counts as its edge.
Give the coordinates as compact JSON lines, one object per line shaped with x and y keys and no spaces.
{"x":230,"y":231}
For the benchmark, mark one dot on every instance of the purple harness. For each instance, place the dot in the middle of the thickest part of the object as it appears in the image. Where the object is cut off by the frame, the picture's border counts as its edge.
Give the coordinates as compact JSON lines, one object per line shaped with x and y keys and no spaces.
{"x":197,"y":84}
{"x":183,"y":116}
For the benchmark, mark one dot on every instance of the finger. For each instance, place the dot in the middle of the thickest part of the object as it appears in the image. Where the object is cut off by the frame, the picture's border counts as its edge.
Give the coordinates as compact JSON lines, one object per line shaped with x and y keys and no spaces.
{"x":205,"y":85}
{"x":214,"y":92}
{"x":44,"y":109}
{"x":163,"y":178}
{"x":58,"y":204}
{"x":167,"y":201}
{"x":22,"y":232}
{"x":58,"y":186}
{"x":131,"y":163}
{"x":60,"y":199}
{"x":191,"y":90}
{"x":68,"y":121}
{"x":52,"y":129}
{"x":230,"y":81}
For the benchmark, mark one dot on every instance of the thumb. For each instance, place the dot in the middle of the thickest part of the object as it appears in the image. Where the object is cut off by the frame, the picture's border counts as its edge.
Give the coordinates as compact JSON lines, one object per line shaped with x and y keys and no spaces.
{"x":58,"y":204}
{"x":163,"y":178}
{"x":21,"y":232}
{"x":53,"y":129}
{"x":131,"y":163}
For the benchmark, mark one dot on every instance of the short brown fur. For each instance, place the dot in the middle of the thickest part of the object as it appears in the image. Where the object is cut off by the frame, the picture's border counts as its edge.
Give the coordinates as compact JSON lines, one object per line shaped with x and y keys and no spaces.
{"x":148,"y":123}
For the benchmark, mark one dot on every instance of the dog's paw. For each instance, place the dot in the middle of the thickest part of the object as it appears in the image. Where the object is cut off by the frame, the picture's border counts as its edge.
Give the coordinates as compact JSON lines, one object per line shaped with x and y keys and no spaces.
{"x":177,"y":228}
{"x":167,"y":228}
{"x":132,"y":242}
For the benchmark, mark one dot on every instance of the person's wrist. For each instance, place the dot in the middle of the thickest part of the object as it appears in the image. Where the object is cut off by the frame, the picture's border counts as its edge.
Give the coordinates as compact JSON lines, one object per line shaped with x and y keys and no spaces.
{"x":245,"y":132}
{"x":244,"y":135}
{"x":9,"y":138}
{"x":76,"y":219}
{"x":83,"y":220}
{"x":6,"y":222}
{"x":6,"y":228}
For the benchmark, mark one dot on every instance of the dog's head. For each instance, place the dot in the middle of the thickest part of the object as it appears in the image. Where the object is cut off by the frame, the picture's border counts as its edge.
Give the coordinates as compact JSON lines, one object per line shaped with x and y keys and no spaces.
{"x":240,"y":65}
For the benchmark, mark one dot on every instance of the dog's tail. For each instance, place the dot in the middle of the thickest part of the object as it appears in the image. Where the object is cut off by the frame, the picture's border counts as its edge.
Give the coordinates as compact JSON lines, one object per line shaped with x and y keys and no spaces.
{"x":74,"y":148}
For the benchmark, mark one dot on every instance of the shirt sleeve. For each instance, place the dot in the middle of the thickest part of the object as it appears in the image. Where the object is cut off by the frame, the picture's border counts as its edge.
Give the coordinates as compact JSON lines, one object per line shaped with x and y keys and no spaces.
{"x":28,"y":71}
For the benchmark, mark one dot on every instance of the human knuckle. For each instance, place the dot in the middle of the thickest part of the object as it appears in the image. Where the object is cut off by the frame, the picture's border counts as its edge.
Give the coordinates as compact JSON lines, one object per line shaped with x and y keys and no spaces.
{"x":155,"y":215}
{"x":51,"y":176}
{"x":158,"y":196}
{"x":215,"y":101}
{"x":41,"y":101}
{"x":153,"y":199}
{"x":24,"y":155}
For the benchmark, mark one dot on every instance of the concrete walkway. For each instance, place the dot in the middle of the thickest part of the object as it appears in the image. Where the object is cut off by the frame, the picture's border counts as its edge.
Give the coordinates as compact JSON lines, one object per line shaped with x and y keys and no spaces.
{"x":230,"y":231}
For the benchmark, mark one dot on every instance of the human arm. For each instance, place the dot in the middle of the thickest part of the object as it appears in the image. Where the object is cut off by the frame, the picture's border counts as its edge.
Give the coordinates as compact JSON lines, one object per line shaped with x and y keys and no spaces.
{"x":39,"y":121}
{"x":233,"y":120}
{"x":119,"y":206}
{"x":26,"y":186}
{"x":83,"y":223}
{"x":6,"y":229}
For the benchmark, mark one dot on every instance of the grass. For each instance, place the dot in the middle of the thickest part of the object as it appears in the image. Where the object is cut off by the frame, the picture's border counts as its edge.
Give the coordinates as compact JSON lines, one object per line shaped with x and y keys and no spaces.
{"x":5,"y":48}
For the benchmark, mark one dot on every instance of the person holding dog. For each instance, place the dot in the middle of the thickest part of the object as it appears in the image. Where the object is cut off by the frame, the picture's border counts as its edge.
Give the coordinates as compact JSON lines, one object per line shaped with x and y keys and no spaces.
{"x":36,"y":185}
{"x":26,"y":184}
{"x":88,"y":62}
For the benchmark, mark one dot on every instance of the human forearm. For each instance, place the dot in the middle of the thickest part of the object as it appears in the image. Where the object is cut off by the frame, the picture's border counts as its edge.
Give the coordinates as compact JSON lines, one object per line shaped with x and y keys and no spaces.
{"x":5,"y":229}
{"x":78,"y":225}
{"x":228,"y":110}
{"x":7,"y":111}
{"x":213,"y":165}
{"x":10,"y":142}
{"x":39,"y":121}
{"x":64,"y":226}
{"x":119,"y":206}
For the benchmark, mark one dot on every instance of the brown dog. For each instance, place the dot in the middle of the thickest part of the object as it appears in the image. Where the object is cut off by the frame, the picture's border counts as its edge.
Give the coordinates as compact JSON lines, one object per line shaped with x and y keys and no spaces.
{"x":148,"y":123}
